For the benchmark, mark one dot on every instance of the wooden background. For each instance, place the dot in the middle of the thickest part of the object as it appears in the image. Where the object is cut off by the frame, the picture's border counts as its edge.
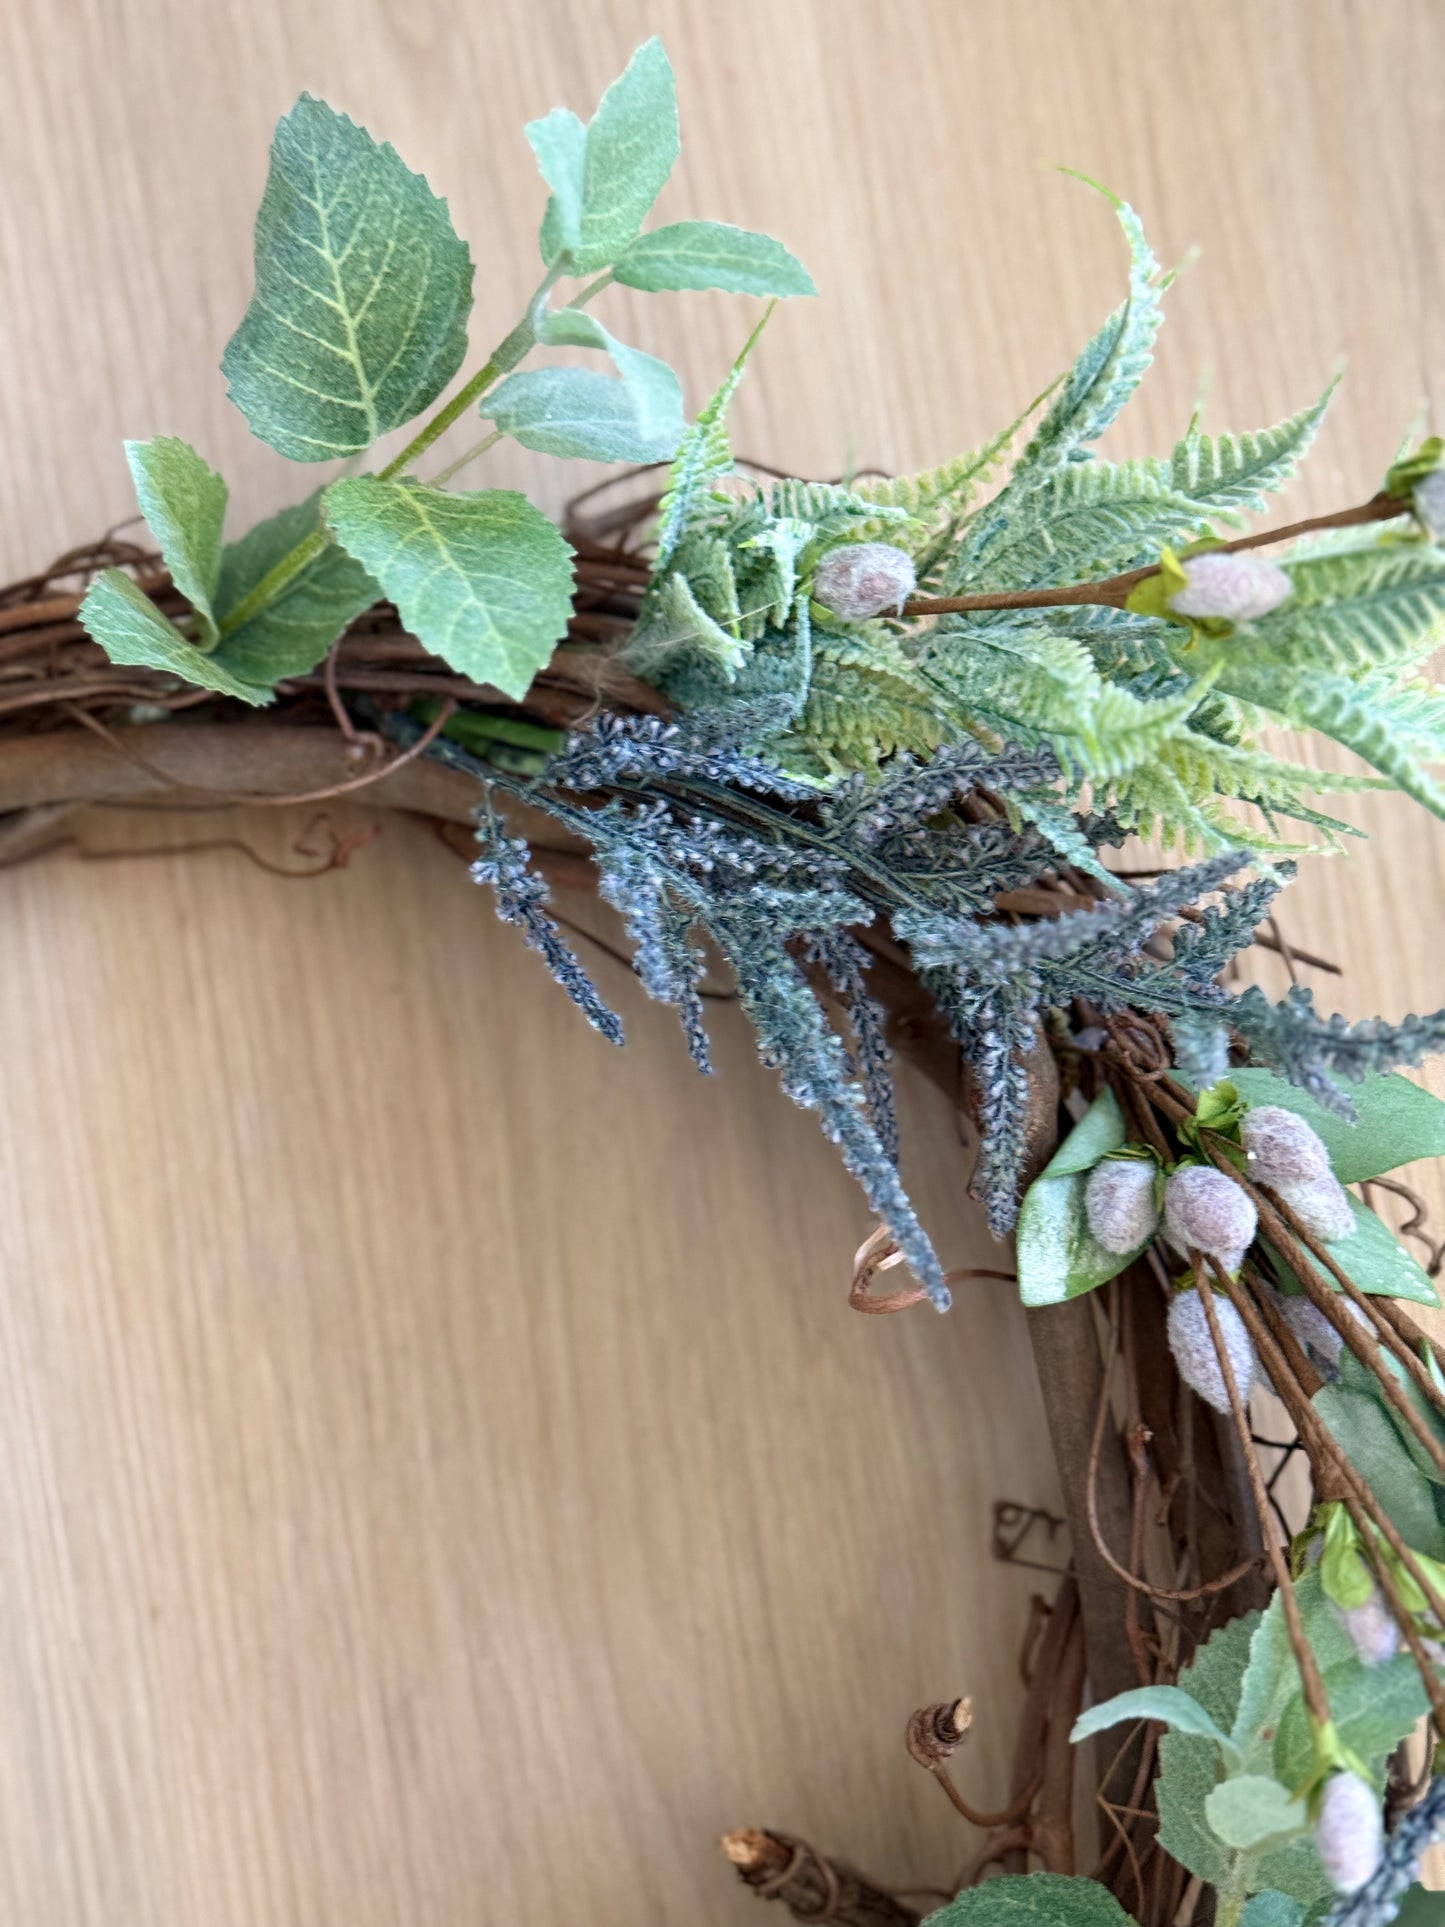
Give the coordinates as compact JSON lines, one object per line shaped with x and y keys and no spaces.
{"x":440,"y":1482}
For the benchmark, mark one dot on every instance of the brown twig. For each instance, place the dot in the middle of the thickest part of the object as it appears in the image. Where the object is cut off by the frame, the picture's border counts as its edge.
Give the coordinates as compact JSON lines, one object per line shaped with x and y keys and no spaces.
{"x":827,"y":1892}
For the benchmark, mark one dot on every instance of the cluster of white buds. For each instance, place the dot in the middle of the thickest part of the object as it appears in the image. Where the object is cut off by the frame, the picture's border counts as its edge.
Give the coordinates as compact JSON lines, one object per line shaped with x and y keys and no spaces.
{"x":1119,"y":1203}
{"x":1192,"y":1343}
{"x":1236,"y":587}
{"x":864,"y":579}
{"x":1372,"y":1629}
{"x":1349,"y":1832}
{"x":1206,"y":1211}
{"x":1290,"y":1157}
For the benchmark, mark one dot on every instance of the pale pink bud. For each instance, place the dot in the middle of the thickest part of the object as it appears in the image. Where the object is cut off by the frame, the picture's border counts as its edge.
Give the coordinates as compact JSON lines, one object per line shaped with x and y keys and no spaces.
{"x":864,"y":579}
{"x":1119,"y":1203}
{"x":1349,"y":1832}
{"x":1192,"y":1343}
{"x":1206,"y":1211}
{"x":1429,"y":503}
{"x":1281,"y":1147}
{"x":1373,"y":1632}
{"x":1237,"y":587}
{"x":1322,"y":1206}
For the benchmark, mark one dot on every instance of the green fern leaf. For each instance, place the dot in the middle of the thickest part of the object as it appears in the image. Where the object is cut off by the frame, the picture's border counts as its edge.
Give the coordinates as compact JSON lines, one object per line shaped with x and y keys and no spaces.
{"x":1090,"y":520}
{"x":865,"y":702}
{"x":1228,"y":474}
{"x":1350,"y":612}
{"x":703,"y":457}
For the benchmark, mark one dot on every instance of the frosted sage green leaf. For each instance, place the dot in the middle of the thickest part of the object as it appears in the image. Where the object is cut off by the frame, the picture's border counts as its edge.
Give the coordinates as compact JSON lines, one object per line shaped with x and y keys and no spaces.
{"x":130,"y":629}
{"x":1179,"y":1711}
{"x":1365,"y":1434}
{"x":1371,"y":1258}
{"x":1372,"y":1708}
{"x":606,"y":177}
{"x":1058,"y":1257}
{"x":654,"y":391}
{"x":1395,"y":1121}
{"x":484,"y":580}
{"x":574,"y":411}
{"x":362,"y":294}
{"x":1272,"y":1910}
{"x":184,"y":504}
{"x":1251,"y":1808}
{"x":1033,"y":1900}
{"x":712,"y":254}
{"x":294,"y":630}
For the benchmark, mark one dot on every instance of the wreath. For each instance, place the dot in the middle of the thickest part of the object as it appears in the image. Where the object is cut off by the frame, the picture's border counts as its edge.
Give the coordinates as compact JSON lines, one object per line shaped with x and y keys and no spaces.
{"x":867,"y":743}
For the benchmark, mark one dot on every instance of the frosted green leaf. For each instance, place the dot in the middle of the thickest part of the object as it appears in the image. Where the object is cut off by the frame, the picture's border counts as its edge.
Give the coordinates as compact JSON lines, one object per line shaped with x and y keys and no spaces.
{"x":573,"y":411}
{"x":1372,"y":1708}
{"x":654,"y":391}
{"x":184,"y":504}
{"x":1189,"y":1763}
{"x":1372,"y":1259}
{"x":484,"y":580}
{"x":294,"y":630}
{"x":1273,"y":1910}
{"x":712,"y":254}
{"x":1057,"y":1255}
{"x":1252,"y":1808}
{"x":1395,"y":1121}
{"x":1178,"y":1710}
{"x":605,"y":177}
{"x":1033,"y":1900}
{"x":362,"y":294}
{"x":130,"y":629}
{"x":1368,"y":1439}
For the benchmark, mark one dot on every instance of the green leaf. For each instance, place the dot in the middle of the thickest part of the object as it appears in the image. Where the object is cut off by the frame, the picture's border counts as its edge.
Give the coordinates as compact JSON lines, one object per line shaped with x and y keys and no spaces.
{"x":1272,"y":1910}
{"x":605,"y":177}
{"x":1252,"y":1808}
{"x":362,"y":294}
{"x":130,"y":629}
{"x":1058,"y":1257}
{"x":1372,"y":1259}
{"x":712,"y":254}
{"x":1372,"y":1708}
{"x":295,"y":630}
{"x":1344,"y":1572}
{"x":1230,"y":473}
{"x":484,"y":580}
{"x":574,"y":411}
{"x":1395,"y":1121}
{"x":1373,"y":1447}
{"x":1178,"y":1710}
{"x":1189,"y":1763}
{"x":184,"y":503}
{"x":704,"y":456}
{"x":1271,"y":1679}
{"x":1421,"y":1907}
{"x":1033,"y":1900}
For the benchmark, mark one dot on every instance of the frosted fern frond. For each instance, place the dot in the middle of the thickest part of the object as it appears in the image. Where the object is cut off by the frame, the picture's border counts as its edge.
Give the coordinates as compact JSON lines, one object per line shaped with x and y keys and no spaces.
{"x":865,"y":702}
{"x":704,"y":456}
{"x":1381,"y":605}
{"x":1087,"y":521}
{"x":835,"y":512}
{"x":675,"y":632}
{"x":505,"y":863}
{"x":1231,"y":474}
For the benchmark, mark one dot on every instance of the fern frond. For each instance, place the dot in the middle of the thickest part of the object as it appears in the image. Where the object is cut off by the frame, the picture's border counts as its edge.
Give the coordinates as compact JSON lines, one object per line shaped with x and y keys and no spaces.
{"x":1089,"y":520}
{"x":703,"y":457}
{"x":674,"y":633}
{"x":1367,"y":717}
{"x":1228,"y":474}
{"x":865,"y":702}
{"x":1372,"y":607}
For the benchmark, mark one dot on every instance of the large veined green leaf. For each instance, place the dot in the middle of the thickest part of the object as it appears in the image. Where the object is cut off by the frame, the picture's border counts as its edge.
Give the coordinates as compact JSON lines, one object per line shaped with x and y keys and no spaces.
{"x":130,"y":629}
{"x":184,"y":503}
{"x":604,"y":177}
{"x":1372,"y":1708}
{"x":575,"y":411}
{"x":362,"y":294}
{"x":1033,"y":1900}
{"x":1395,"y":1121}
{"x":712,"y":254}
{"x":484,"y":580}
{"x":1189,"y":1763}
{"x":1272,"y":1910}
{"x":293,"y":632}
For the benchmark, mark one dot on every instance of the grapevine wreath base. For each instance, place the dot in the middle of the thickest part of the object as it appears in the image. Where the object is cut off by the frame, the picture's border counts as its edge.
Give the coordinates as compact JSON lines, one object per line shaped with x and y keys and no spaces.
{"x":862,"y":745}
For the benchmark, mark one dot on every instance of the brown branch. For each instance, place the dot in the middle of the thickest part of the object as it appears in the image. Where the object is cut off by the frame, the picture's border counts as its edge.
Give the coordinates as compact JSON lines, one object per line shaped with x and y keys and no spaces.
{"x":778,"y":1867}
{"x":1113,"y":591}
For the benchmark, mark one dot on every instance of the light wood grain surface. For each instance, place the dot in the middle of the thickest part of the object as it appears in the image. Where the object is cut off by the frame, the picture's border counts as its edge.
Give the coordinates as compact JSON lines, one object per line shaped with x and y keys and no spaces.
{"x":440,"y":1482}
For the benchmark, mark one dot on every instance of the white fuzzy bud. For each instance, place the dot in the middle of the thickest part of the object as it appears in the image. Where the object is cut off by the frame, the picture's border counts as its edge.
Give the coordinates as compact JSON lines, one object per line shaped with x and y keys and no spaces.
{"x":1192,"y":1343}
{"x":1322,"y":1206}
{"x":1429,"y":503}
{"x":1206,"y":1211}
{"x":1349,"y":1832}
{"x":864,"y":579}
{"x":1119,"y":1203}
{"x":1281,"y":1147}
{"x":1237,"y":587}
{"x":1373,"y":1632}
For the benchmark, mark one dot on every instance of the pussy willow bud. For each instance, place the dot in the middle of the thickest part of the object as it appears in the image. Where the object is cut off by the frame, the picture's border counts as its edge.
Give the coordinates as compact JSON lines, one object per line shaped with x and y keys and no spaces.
{"x":1119,"y":1203}
{"x":1322,"y":1206}
{"x":1237,"y":587}
{"x":1373,"y":1632}
{"x":1429,"y":502}
{"x":1349,"y":1832}
{"x":1192,"y":1343}
{"x":864,"y":579}
{"x":1209,"y":1212}
{"x":1281,"y":1147}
